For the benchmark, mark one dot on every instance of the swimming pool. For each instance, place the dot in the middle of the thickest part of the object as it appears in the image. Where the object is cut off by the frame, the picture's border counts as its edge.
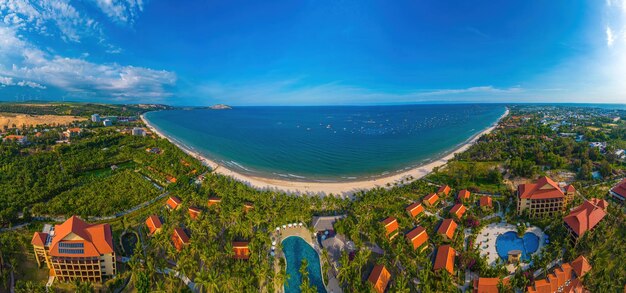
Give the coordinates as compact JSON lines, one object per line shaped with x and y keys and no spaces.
{"x":295,"y":250}
{"x":509,"y":241}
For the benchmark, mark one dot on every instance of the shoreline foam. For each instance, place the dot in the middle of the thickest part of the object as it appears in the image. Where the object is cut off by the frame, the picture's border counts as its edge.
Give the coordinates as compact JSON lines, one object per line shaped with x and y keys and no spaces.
{"x":320,"y":188}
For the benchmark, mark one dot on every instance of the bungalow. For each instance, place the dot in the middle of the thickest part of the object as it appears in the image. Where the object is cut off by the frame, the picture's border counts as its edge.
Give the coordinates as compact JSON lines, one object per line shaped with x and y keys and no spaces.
{"x":619,"y":191}
{"x":415,"y":209}
{"x":194,"y":212}
{"x":72,"y":132}
{"x":179,"y":238}
{"x":445,"y":259}
{"x":417,"y":237}
{"x":444,"y":190}
{"x":447,"y":229}
{"x":391,"y":227}
{"x":247,"y":207}
{"x":173,"y":203}
{"x":21,"y":139}
{"x":379,"y":278}
{"x":458,"y":210}
{"x":585,"y":217}
{"x":486,"y":202}
{"x":241,"y":250}
{"x":214,"y":201}
{"x":431,"y":199}
{"x":565,"y":278}
{"x":488,"y":285}
{"x":154,"y":224}
{"x":464,"y":195}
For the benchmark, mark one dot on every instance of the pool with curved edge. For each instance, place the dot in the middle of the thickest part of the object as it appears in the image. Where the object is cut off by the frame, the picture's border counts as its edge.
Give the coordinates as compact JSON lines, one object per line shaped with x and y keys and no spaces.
{"x":295,"y":250}
{"x":510,"y":241}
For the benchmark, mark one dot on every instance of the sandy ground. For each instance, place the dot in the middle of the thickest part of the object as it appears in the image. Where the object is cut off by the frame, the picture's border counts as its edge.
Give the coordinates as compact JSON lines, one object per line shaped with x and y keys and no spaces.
{"x":320,"y":188}
{"x":10,"y":119}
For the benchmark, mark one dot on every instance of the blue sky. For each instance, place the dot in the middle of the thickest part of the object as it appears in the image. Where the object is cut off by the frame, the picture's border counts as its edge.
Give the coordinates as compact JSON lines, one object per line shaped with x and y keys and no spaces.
{"x":299,"y":52}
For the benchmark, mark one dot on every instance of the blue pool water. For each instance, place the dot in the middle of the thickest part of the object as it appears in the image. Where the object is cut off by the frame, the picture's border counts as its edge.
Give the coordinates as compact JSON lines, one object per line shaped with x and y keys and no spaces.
{"x":509,"y":241}
{"x":295,"y":250}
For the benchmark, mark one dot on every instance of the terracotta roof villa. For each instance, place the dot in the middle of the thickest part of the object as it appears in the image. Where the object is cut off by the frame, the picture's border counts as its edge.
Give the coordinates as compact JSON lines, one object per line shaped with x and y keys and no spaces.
{"x":18,"y":138}
{"x":431,"y":199}
{"x":463,"y":195}
{"x":486,"y":202}
{"x":488,"y":285}
{"x":391,"y":227}
{"x":241,"y":250}
{"x":194,"y":212}
{"x":447,"y":228}
{"x":444,"y":190}
{"x":173,"y":202}
{"x":565,"y":278}
{"x":76,"y":250}
{"x":214,"y":201}
{"x":179,"y":238}
{"x":417,"y":237}
{"x":619,"y":191}
{"x":379,"y":278}
{"x":585,"y":217}
{"x":247,"y":207}
{"x":445,"y":259}
{"x":415,"y":209}
{"x":154,"y":224}
{"x":458,"y":210}
{"x":543,"y":198}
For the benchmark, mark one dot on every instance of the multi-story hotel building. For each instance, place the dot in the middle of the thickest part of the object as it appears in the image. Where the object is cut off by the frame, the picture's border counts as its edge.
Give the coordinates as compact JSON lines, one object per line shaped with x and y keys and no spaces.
{"x":543,"y":198}
{"x":76,"y":250}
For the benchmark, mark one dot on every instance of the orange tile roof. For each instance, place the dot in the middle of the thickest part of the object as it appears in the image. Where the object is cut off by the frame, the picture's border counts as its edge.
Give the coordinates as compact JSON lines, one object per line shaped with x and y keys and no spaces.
{"x":488,"y":285}
{"x":415,"y":209}
{"x":541,"y":286}
{"x":379,"y":278}
{"x":391,"y":225}
{"x":241,"y":250}
{"x":97,"y":239}
{"x":586,"y":216}
{"x":173,"y":202}
{"x":458,"y":210}
{"x":417,"y":237}
{"x":431,"y":199}
{"x":486,"y":201}
{"x":13,"y":136}
{"x":464,"y":195}
{"x":447,"y":228}
{"x":75,"y":129}
{"x":562,"y":279}
{"x":194,"y":212}
{"x":214,"y":200}
{"x":445,"y":258}
{"x":544,"y":188}
{"x":620,"y":188}
{"x":180,"y":238}
{"x":154,"y":223}
{"x":39,"y":239}
{"x":444,"y":189}
{"x":580,"y":266}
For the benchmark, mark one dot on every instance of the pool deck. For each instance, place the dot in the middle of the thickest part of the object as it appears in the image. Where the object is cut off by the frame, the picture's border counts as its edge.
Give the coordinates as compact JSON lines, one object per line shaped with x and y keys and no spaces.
{"x":490,"y":233}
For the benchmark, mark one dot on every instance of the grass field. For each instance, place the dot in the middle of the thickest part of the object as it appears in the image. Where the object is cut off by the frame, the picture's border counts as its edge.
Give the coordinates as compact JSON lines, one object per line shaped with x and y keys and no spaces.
{"x":10,"y":119}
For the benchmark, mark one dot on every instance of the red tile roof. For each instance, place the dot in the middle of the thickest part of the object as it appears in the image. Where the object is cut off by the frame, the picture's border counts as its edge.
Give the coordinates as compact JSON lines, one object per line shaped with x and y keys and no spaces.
{"x":154,"y":223}
{"x":431,"y":199}
{"x":417,"y":237}
{"x":194,"y":212}
{"x":97,"y":239}
{"x":39,"y":239}
{"x":444,"y":189}
{"x":391,"y":225}
{"x":180,"y":238}
{"x":458,"y":210}
{"x":379,"y":278}
{"x":544,"y":188}
{"x":464,"y":195}
{"x":580,"y":266}
{"x":447,"y":228}
{"x":562,"y":279}
{"x":620,"y":188}
{"x":173,"y":202}
{"x":488,"y":285}
{"x":415,"y":209}
{"x":214,"y":200}
{"x":586,"y":216}
{"x":445,"y":259}
{"x":486,"y":201}
{"x":241,"y":250}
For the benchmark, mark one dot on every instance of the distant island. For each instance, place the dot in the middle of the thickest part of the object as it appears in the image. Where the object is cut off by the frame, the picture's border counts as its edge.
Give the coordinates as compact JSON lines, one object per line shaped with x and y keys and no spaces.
{"x":220,"y":107}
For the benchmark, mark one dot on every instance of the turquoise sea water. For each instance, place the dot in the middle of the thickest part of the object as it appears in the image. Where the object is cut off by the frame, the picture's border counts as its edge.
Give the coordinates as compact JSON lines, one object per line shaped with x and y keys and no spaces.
{"x":335,"y":143}
{"x":509,"y":241}
{"x":295,"y":250}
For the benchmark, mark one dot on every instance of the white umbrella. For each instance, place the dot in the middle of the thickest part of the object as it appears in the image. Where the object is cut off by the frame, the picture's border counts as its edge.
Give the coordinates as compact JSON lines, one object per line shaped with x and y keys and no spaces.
{"x":273,"y":243}
{"x":300,"y":224}
{"x":284,"y":226}
{"x":290,"y":225}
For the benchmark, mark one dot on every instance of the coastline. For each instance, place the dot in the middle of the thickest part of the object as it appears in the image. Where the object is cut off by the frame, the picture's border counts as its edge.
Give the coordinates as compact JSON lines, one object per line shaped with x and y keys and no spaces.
{"x":320,"y":188}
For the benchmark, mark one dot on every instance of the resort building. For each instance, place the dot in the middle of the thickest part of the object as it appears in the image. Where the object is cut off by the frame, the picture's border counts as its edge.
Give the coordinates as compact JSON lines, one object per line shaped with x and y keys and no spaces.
{"x":214,"y":200}
{"x":458,"y":210}
{"x":447,"y":229}
{"x":543,"y":198}
{"x":241,"y":250}
{"x":464,"y":195}
{"x":565,"y":278}
{"x":585,"y":217}
{"x":445,"y":259}
{"x":379,"y":278}
{"x":444,"y":190}
{"x":417,"y":237}
{"x":179,"y":238}
{"x":138,"y":131}
{"x":488,"y":285}
{"x":72,"y":132}
{"x":76,"y":250}
{"x":21,"y":139}
{"x":247,"y":207}
{"x":391,"y":227}
{"x":194,"y":212}
{"x":485,"y":202}
{"x":107,"y":122}
{"x":173,"y":203}
{"x":154,"y":224}
{"x":95,"y":118}
{"x":431,"y":199}
{"x":619,"y":191}
{"x":415,"y":209}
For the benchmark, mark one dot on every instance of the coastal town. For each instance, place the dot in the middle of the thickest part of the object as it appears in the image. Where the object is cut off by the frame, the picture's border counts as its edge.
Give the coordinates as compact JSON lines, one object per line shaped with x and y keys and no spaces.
{"x":104,"y":202}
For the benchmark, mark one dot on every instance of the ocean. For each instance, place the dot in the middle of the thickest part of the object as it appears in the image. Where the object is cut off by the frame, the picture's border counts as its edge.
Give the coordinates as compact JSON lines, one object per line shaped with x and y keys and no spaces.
{"x":329,"y":143}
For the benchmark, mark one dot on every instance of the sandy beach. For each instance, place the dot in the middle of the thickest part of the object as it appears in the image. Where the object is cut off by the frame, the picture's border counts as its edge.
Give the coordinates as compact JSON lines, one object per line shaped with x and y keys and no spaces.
{"x":320,"y":188}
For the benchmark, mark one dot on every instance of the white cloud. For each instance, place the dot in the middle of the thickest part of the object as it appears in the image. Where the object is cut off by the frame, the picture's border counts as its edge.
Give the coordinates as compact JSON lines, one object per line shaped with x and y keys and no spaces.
{"x":20,"y":59}
{"x":610,"y":39}
{"x":8,"y":81}
{"x":121,"y":11}
{"x":30,"y":84}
